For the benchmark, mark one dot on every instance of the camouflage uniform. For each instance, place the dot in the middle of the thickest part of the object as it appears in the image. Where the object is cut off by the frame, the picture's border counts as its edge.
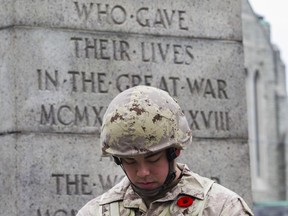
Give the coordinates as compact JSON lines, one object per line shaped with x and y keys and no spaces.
{"x":144,"y":120}
{"x":209,"y":199}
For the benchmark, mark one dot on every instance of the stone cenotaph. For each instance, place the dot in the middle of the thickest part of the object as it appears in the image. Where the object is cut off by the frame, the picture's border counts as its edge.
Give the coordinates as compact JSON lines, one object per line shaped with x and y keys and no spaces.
{"x":62,"y":62}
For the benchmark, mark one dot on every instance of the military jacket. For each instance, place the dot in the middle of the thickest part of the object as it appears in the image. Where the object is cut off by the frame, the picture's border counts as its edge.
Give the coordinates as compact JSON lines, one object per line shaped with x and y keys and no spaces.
{"x":193,"y":195}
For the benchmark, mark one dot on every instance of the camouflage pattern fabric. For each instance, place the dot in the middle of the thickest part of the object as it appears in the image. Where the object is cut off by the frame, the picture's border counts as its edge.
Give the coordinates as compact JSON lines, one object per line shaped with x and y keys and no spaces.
{"x":141,"y":120}
{"x":209,"y":199}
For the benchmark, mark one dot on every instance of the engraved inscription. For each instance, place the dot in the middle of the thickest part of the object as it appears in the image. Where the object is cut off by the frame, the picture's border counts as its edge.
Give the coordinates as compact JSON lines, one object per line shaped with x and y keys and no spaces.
{"x":101,"y":49}
{"x":99,"y":81}
{"x":121,"y":50}
{"x":77,"y":184}
{"x":145,"y":17}
{"x":103,"y":12}
{"x":82,"y":184}
{"x":48,"y":80}
{"x":93,"y":82}
{"x":201,"y":120}
{"x":161,"y":53}
{"x":161,"y":18}
{"x":74,"y":184}
{"x":92,"y":116}
{"x":71,"y":115}
{"x":208,"y":88}
{"x":88,"y":82}
{"x":82,"y":115}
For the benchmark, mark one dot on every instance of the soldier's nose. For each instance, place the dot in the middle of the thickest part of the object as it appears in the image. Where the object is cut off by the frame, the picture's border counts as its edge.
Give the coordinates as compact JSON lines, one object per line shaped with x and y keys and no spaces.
{"x":143,"y":171}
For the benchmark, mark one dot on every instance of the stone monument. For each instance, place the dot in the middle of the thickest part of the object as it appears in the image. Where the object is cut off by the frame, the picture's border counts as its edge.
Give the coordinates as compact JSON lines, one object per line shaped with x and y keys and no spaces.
{"x":62,"y":62}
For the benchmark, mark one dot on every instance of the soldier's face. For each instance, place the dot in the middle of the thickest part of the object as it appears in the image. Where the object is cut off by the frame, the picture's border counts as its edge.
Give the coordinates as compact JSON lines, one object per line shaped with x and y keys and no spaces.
{"x":147,"y":172}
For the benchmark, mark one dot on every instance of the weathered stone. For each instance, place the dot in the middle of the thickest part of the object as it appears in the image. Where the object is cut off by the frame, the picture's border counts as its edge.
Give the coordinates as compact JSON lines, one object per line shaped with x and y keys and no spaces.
{"x":7,"y":82}
{"x":8,"y":172}
{"x":50,"y":179}
{"x":50,"y":172}
{"x":6,"y":13}
{"x":63,"y":88}
{"x":217,"y":19}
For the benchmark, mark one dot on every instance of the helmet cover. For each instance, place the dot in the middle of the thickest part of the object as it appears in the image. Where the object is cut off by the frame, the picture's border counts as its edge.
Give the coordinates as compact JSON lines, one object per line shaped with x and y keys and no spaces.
{"x":141,"y":120}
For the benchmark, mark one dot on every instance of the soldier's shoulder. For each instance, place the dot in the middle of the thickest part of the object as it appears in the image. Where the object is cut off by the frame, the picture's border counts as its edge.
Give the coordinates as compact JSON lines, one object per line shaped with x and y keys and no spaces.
{"x":220,"y":190}
{"x":227,"y":200}
{"x":116,"y":193}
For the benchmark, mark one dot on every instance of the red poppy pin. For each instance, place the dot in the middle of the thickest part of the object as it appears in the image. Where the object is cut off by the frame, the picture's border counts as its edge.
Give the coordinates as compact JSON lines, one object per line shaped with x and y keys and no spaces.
{"x":185,"y":201}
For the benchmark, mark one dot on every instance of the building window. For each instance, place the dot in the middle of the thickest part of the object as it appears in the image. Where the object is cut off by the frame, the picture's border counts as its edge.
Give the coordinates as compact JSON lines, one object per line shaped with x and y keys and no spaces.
{"x":256,"y":125}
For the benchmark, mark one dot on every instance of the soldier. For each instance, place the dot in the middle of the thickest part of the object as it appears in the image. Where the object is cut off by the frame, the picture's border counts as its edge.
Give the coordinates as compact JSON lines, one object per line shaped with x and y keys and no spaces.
{"x":144,"y":130}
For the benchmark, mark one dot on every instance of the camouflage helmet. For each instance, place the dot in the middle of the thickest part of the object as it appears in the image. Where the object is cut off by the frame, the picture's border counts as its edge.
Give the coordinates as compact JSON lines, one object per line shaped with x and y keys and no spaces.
{"x":143,"y":119}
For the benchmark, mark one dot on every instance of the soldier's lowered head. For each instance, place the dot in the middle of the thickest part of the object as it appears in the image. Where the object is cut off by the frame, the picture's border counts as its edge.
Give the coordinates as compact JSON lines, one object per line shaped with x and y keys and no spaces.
{"x":144,"y":129}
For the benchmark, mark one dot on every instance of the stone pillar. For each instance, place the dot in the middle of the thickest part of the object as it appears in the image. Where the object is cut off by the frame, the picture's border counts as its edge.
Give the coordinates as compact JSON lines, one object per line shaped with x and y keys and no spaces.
{"x":63,"y":61}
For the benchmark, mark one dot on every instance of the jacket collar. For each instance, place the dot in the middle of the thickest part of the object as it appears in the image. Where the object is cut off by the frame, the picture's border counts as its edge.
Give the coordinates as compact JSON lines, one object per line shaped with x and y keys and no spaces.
{"x":191,"y":184}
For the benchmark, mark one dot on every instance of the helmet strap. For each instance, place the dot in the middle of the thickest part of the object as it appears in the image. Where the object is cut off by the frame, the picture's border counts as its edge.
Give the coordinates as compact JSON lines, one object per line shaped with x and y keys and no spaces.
{"x":117,"y":160}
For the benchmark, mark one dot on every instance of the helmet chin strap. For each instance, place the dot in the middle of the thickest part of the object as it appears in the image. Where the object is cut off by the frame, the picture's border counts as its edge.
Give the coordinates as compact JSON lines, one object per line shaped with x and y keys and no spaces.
{"x":171,"y":155}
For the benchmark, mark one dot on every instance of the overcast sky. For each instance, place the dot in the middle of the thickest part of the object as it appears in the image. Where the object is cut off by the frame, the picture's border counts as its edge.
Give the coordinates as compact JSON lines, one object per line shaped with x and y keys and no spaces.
{"x":276,"y":13}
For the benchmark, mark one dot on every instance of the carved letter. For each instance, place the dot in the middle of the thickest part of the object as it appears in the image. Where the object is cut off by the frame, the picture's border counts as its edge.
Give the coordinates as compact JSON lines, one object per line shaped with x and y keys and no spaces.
{"x":79,"y":117}
{"x":97,"y":115}
{"x":74,"y":83}
{"x":206,"y":120}
{"x":190,"y":55}
{"x":174,"y":79}
{"x":48,"y":79}
{"x":159,"y":20}
{"x":221,"y":89}
{"x":84,"y":185}
{"x":45,"y":117}
{"x":194,"y":122}
{"x":145,"y":22}
{"x":209,"y":89}
{"x":101,"y":83}
{"x":163,"y":53}
{"x":196,"y":87}
{"x":116,"y":18}
{"x":84,"y":10}
{"x":178,"y":52}
{"x":58,"y":187}
{"x":182,"y":20}
{"x":84,"y":81}
{"x":59,"y":115}
{"x":76,"y":45}
{"x":74,"y":183}
{"x":169,"y":19}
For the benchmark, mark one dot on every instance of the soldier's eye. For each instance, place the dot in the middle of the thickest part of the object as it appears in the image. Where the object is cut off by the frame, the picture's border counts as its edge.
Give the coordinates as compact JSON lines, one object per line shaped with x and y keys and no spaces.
{"x":128,"y":161}
{"x":154,"y":159}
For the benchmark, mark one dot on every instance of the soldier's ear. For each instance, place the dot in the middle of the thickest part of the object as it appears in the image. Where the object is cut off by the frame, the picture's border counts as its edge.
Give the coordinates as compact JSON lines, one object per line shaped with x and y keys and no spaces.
{"x":177,"y":152}
{"x":172,"y":153}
